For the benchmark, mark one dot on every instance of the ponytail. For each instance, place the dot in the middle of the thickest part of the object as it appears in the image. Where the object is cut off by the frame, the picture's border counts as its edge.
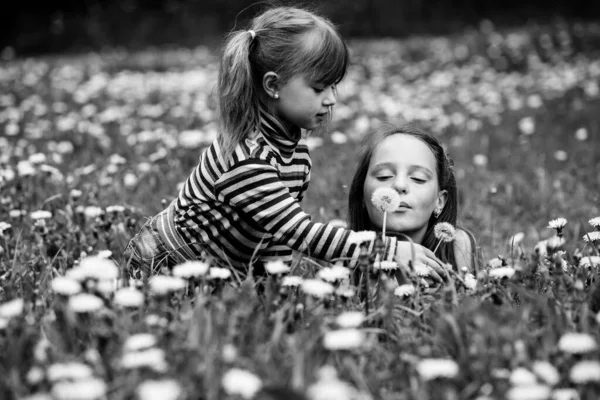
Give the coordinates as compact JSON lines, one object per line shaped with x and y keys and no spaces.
{"x":238,"y":114}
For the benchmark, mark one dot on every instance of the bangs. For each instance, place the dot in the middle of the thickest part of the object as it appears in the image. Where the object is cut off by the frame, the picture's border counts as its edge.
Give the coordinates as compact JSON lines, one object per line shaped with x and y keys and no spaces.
{"x":326,"y":56}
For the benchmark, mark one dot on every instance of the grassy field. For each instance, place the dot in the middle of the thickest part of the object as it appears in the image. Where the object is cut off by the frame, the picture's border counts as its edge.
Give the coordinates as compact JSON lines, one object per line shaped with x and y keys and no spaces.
{"x":93,"y":144}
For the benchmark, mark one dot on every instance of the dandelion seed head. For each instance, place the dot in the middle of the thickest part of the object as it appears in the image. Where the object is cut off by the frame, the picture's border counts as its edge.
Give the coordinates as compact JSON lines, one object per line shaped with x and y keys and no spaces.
{"x":386,"y":199}
{"x":444,"y":231}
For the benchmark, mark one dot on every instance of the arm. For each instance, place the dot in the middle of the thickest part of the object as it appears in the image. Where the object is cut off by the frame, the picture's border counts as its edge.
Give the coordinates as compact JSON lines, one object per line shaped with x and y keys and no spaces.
{"x":254,"y":190}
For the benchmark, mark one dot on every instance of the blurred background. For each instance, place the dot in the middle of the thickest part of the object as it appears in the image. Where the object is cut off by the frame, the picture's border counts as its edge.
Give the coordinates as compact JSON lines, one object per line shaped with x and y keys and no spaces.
{"x":49,"y":26}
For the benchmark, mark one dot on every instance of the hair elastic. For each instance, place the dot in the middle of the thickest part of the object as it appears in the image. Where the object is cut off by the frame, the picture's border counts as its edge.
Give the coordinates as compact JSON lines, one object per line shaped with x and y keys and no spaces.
{"x":252,"y":33}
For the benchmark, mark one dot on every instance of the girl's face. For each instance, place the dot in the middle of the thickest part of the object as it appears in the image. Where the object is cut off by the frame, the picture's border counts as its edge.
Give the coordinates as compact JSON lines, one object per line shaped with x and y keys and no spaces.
{"x":406,"y":164}
{"x":303,"y":103}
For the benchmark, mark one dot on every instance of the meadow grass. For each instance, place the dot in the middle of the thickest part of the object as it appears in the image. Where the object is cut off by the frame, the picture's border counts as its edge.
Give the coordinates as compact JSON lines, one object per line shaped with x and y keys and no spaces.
{"x":93,"y":144}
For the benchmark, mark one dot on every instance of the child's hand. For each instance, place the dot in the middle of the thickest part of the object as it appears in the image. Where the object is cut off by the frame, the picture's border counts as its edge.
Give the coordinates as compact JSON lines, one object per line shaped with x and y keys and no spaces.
{"x":422,"y":255}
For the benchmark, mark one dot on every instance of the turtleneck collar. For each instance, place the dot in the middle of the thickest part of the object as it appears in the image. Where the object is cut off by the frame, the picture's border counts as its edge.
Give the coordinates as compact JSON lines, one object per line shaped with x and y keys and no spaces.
{"x":274,"y":133}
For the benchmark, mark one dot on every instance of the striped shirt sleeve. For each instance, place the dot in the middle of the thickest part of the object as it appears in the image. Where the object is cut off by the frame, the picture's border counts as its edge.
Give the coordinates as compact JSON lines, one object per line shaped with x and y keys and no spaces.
{"x":253,"y":188}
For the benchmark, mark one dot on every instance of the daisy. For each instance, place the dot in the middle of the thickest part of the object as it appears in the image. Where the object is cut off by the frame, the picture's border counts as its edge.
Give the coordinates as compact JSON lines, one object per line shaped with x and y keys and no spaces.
{"x":595,"y":223}
{"x":190,"y":269}
{"x":405,"y":290}
{"x":433,"y":368}
{"x":317,"y":288}
{"x":586,"y":371}
{"x":350,"y":319}
{"x":164,"y":389}
{"x":577,"y":343}
{"x":593,"y":237}
{"x":241,"y":382}
{"x":502,"y":272}
{"x":276,"y":267}
{"x":558,"y":224}
{"x":343,"y":339}
{"x":292,"y":281}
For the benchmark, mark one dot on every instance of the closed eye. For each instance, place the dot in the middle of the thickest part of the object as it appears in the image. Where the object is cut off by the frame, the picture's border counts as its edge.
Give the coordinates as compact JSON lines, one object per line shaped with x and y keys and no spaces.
{"x":383,"y":177}
{"x":419,"y":180}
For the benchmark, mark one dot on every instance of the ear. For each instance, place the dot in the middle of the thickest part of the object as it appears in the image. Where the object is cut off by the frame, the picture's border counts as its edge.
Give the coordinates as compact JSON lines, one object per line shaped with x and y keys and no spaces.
{"x":441,"y":200}
{"x":271,"y":84}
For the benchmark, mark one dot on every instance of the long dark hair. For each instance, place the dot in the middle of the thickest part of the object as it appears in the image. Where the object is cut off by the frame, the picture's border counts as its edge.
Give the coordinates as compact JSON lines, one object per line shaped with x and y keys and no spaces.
{"x":275,"y":44}
{"x":358,"y":217}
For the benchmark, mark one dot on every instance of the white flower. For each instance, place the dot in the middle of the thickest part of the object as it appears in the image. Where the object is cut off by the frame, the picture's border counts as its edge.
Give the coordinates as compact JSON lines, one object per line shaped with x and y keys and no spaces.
{"x":502,"y":272}
{"x":85,"y":302}
{"x":361,"y":237}
{"x":241,"y":382}
{"x":546,"y":372}
{"x":317,"y":288}
{"x":229,"y":353}
{"x":165,"y":389}
{"x":557,"y":223}
{"x":95,"y":267}
{"x":470,"y":281}
{"x":495,"y":263}
{"x":589,"y":261}
{"x":577,"y":343}
{"x":565,"y":394}
{"x":83,"y":389}
{"x":68,"y":370}
{"x":276,"y":267}
{"x":386,"y":199}
{"x":345,"y":291}
{"x":190,"y":269}
{"x":555,"y":243}
{"x":38,"y":396}
{"x":139,"y":341}
{"x":115,"y":209}
{"x":522,"y":377}
{"x":333,"y":273}
{"x":422,"y":269}
{"x":12,"y":308}
{"x":41,"y":214}
{"x":35,"y":375}
{"x":338,"y":223}
{"x":163,"y":284}
{"x":219,"y":273}
{"x":152,"y":358}
{"x":444,"y":231}
{"x":385,"y":265}
{"x":65,"y":286}
{"x":3,"y":323}
{"x":350,"y":319}
{"x":527,"y":125}
{"x":516,"y":239}
{"x":343,"y":339}
{"x":329,"y":387}
{"x":104,"y":254}
{"x":92,"y":212}
{"x":405,"y":290}
{"x":528,"y":392}
{"x":592,"y":237}
{"x":292,"y":281}
{"x":128,"y":297}
{"x":4,"y":226}
{"x":595,"y":222}
{"x":433,"y":368}
{"x":585,"y":372}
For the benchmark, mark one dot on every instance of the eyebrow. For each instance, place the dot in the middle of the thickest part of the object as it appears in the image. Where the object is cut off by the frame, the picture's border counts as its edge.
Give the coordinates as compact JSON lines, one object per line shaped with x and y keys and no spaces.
{"x":390,"y":165}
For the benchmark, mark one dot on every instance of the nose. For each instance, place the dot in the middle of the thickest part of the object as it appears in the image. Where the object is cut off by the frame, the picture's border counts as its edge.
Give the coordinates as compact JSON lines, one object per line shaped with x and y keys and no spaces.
{"x":400,"y":183}
{"x":331,"y":97}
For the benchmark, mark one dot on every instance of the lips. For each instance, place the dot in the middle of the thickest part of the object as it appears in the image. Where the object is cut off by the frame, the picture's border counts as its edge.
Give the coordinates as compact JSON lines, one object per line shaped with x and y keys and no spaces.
{"x":403,"y":205}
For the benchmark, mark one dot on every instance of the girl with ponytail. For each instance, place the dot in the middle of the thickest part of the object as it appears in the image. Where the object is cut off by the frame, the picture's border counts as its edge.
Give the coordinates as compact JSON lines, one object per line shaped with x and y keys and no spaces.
{"x":240,"y":207}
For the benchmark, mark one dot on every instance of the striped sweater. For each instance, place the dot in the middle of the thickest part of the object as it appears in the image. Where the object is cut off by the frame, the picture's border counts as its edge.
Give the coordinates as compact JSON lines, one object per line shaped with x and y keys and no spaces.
{"x":247,"y":206}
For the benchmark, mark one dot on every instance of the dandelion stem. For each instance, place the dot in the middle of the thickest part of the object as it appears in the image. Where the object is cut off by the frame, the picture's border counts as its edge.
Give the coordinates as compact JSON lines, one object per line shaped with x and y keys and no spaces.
{"x":437,"y":245}
{"x":384,"y":223}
